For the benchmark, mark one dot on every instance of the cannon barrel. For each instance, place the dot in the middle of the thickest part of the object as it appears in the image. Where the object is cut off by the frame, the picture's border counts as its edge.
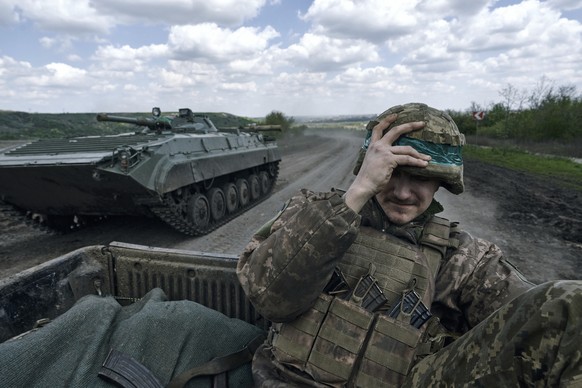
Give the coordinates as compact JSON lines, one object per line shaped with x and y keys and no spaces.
{"x":254,"y":128}
{"x":128,"y":120}
{"x":265,"y":127}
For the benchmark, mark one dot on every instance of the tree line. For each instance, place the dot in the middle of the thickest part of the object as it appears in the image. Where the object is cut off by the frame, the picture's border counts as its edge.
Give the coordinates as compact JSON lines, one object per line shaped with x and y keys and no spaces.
{"x":16,"y":125}
{"x":546,"y":112}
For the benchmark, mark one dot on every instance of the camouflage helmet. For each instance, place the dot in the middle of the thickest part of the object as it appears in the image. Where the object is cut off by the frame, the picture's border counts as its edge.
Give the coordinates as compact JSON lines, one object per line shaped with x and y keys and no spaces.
{"x":440,"y":138}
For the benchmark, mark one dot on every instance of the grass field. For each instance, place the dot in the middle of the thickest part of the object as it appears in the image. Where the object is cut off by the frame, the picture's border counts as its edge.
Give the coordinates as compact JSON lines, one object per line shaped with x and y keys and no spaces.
{"x":562,"y":169}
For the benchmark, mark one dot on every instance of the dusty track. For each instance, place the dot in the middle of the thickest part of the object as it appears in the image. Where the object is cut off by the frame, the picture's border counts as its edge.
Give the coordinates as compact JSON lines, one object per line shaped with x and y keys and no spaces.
{"x":537,"y":223}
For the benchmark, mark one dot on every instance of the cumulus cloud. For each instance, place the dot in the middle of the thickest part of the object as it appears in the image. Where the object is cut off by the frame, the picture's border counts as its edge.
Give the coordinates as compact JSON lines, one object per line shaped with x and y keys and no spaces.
{"x":493,"y":42}
{"x":502,"y":28}
{"x":209,"y":42}
{"x":11,"y":68}
{"x":373,"y":20}
{"x":180,"y":74}
{"x":322,"y":53}
{"x":529,"y":39}
{"x":255,"y":66}
{"x":239,"y":86}
{"x":65,"y":16}
{"x":126,"y":57}
{"x":98,"y":17}
{"x":57,"y":75}
{"x":566,"y":5}
{"x":227,"y":12}
{"x":8,"y":13}
{"x":348,"y":55}
{"x":437,"y":9}
{"x":296,"y":84}
{"x":61,"y":43}
{"x":41,"y":87}
{"x":47,"y":42}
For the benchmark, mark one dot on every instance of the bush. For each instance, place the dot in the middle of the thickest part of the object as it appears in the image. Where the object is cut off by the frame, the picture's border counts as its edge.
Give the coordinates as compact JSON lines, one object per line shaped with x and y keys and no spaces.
{"x":278,"y":118}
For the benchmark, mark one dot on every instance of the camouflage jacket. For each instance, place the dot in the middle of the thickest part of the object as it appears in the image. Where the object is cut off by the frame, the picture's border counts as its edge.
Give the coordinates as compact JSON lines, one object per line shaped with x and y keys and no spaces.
{"x":289,"y":261}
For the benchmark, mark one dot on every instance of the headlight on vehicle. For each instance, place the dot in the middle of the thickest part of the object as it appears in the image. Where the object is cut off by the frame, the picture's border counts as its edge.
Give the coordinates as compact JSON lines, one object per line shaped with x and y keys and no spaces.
{"x":127,"y":157}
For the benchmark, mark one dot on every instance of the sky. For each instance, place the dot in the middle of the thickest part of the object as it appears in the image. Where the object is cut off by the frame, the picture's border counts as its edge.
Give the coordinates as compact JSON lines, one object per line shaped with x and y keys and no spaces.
{"x":298,"y":57}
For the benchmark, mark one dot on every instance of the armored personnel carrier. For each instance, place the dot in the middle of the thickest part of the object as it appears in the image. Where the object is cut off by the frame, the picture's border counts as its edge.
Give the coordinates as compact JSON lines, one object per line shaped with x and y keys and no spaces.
{"x":179,"y":168}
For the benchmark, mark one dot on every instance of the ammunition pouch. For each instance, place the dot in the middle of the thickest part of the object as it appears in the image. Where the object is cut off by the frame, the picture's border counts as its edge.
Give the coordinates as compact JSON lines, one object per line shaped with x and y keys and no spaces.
{"x":338,"y":342}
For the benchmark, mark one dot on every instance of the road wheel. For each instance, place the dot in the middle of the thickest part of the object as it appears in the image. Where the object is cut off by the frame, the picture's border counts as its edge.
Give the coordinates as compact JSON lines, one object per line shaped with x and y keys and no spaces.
{"x":217,"y":203}
{"x":255,"y":186}
{"x":199,"y":211}
{"x":244,"y":194}
{"x":265,"y":182}
{"x":231,"y":197}
{"x":273,"y":169}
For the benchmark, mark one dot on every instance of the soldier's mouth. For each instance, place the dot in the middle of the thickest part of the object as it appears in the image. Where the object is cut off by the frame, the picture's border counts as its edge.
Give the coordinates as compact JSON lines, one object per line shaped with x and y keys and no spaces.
{"x":403,"y":204}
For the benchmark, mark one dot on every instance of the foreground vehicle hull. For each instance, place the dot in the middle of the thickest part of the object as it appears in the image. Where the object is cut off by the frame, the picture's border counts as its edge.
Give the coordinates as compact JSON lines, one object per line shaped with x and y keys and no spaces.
{"x":127,"y":272}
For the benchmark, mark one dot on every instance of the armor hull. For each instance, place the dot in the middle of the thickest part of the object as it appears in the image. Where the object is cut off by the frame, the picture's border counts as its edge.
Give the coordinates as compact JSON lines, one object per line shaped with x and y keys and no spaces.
{"x":194,"y":181}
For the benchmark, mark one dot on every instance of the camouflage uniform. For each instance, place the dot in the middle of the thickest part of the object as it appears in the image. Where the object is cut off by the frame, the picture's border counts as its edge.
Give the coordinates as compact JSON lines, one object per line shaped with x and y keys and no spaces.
{"x":500,"y":327}
{"x":533,"y":339}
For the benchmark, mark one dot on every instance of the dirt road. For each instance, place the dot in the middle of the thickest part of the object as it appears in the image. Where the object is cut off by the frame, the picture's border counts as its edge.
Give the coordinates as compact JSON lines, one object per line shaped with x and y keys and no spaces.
{"x":536,"y":223}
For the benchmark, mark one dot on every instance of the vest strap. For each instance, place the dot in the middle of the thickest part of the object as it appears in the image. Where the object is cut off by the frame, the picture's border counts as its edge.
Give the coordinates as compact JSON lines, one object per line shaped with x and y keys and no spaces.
{"x":220,"y":365}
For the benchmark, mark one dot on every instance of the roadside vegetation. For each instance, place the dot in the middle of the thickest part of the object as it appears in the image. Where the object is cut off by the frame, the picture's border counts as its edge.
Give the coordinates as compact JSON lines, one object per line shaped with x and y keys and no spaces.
{"x":537,"y":131}
{"x":279,"y":118}
{"x":545,"y":113}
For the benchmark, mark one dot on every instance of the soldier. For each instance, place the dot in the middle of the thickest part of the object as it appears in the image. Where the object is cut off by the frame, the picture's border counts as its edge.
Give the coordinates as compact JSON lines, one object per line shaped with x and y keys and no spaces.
{"x":369,"y":287}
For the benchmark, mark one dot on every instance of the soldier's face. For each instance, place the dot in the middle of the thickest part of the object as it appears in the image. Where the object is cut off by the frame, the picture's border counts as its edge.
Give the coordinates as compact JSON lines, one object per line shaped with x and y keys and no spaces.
{"x":407,"y":196}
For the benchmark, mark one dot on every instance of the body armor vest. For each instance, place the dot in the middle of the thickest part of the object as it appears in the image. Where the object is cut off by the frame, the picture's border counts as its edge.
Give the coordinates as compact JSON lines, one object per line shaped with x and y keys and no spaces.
{"x":340,"y":342}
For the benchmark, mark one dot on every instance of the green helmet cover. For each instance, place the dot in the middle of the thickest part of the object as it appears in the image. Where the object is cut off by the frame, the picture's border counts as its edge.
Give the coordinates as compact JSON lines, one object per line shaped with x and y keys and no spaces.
{"x":440,"y":138}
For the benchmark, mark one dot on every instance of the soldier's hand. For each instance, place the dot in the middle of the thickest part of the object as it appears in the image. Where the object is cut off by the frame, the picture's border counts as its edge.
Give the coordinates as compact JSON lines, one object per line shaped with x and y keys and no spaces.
{"x":381,"y":159}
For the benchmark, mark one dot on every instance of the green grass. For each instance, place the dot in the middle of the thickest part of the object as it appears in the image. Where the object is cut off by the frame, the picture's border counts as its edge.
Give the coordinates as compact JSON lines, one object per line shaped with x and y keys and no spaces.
{"x":560,"y":169}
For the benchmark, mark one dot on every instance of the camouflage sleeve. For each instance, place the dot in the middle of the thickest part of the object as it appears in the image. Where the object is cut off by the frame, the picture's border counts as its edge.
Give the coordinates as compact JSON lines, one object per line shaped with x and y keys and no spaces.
{"x":286,"y":266}
{"x":475,"y":281}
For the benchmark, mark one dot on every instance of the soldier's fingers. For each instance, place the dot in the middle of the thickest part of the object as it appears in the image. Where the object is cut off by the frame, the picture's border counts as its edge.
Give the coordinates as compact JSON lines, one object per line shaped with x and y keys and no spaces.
{"x":409,"y":151}
{"x":378,"y":130}
{"x":393,"y":134}
{"x":409,"y":160}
